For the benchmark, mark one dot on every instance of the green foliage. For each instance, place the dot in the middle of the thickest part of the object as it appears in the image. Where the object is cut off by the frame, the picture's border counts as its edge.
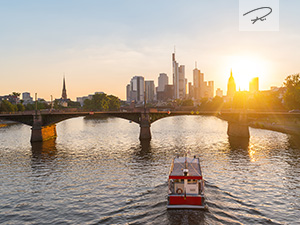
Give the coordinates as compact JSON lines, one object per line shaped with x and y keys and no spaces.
{"x":40,"y":105}
{"x":20,"y":107}
{"x":266,"y":101}
{"x":72,"y":104}
{"x":188,"y":102}
{"x":16,"y":94}
{"x":102,"y":102}
{"x":6,"y":106}
{"x":215,"y":104}
{"x":292,"y":94}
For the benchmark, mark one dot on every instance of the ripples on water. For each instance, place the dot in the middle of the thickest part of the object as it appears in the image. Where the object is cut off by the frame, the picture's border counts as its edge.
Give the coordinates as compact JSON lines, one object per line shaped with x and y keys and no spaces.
{"x":97,"y":172}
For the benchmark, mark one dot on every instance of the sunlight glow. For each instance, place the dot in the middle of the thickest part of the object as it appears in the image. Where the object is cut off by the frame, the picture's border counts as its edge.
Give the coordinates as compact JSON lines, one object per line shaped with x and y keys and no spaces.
{"x":244,"y":68}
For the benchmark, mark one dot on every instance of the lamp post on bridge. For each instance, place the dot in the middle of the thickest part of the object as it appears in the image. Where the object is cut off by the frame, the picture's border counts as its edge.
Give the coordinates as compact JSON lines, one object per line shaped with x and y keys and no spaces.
{"x":36,"y":104}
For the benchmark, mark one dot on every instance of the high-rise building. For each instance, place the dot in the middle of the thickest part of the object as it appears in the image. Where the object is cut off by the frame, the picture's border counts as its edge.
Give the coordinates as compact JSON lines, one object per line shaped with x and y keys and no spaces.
{"x":231,"y":86}
{"x":64,"y":91}
{"x":163,"y":80}
{"x":27,"y":98}
{"x":178,"y":79}
{"x":128,"y":93}
{"x":191,"y":90}
{"x":198,"y":79}
{"x":136,"y":89}
{"x":209,"y":90}
{"x":254,"y":85}
{"x":149,"y":90}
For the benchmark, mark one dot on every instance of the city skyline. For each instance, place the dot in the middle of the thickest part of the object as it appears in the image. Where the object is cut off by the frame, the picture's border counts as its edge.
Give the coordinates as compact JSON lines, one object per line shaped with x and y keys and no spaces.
{"x":100,"y":45}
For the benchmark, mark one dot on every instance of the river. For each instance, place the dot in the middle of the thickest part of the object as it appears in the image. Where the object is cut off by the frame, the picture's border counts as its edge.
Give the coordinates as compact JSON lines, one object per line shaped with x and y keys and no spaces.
{"x":97,"y":172}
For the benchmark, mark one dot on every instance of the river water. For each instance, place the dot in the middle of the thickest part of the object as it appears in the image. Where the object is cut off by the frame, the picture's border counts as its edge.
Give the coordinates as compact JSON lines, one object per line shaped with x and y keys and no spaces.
{"x":97,"y":172}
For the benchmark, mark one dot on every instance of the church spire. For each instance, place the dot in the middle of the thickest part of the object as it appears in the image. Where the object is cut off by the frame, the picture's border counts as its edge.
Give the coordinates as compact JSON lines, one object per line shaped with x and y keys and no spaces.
{"x":64,"y":91}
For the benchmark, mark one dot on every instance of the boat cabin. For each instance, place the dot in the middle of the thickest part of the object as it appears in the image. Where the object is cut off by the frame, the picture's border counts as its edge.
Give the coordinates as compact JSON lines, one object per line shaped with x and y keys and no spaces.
{"x":186,"y":186}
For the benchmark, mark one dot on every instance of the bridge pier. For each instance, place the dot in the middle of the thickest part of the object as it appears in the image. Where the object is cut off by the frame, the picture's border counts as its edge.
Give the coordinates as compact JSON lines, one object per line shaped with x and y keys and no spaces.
{"x":238,"y":127}
{"x":41,"y":133}
{"x":145,"y":133}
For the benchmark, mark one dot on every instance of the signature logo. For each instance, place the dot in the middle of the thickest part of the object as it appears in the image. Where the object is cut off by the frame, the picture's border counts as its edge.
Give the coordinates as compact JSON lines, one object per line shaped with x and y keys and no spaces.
{"x":259,"y":18}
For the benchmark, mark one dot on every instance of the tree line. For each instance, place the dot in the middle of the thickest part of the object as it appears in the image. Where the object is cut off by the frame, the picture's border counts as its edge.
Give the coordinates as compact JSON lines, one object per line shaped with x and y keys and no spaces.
{"x":98,"y":102}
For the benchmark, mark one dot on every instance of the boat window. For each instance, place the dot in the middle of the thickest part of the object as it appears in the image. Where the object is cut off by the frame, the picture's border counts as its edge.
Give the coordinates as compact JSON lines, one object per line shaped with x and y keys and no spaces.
{"x":192,"y":181}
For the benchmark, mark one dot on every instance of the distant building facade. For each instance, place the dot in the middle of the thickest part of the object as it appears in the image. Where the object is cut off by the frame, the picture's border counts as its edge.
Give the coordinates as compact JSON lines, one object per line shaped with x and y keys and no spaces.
{"x":27,"y":99}
{"x":135,"y":90}
{"x":179,"y":81}
{"x":163,"y":80}
{"x":209,"y":89}
{"x":198,"y":81}
{"x":201,"y":89}
{"x":231,"y":86}
{"x":149,"y":91}
{"x":254,"y":85}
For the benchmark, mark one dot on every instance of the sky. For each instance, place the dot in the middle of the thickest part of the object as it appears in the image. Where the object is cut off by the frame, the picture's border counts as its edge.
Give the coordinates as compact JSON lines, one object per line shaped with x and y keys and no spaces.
{"x":99,"y":45}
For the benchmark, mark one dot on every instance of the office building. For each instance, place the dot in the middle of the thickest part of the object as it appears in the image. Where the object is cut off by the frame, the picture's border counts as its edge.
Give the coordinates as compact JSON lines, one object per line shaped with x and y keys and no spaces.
{"x":231,"y":86}
{"x":149,"y":91}
{"x":179,"y":82}
{"x":135,"y":90}
{"x":254,"y":85}
{"x":198,"y":79}
{"x":163,"y":80}
{"x":27,"y":99}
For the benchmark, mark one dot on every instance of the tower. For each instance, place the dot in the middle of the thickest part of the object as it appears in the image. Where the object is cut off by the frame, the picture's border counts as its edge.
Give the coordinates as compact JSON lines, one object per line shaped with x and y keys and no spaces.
{"x":231,"y":86}
{"x":64,"y":91}
{"x":178,"y":79}
{"x":253,"y":85}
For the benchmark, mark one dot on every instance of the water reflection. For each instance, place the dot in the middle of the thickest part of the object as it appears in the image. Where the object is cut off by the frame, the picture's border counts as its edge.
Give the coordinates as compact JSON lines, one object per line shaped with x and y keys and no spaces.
{"x":238,"y":143}
{"x":143,"y":150}
{"x":294,"y":141}
{"x":44,"y":150}
{"x":186,"y":216}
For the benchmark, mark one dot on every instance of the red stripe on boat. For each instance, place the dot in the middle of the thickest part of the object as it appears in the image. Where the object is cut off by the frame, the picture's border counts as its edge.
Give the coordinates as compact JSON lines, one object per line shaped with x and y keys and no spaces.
{"x":181,"y":200}
{"x":186,"y":177}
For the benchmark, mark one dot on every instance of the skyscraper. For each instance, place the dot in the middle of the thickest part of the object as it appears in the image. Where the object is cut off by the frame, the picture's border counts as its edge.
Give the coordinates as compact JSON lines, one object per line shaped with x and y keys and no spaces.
{"x":210,"y":89}
{"x":231,"y":86}
{"x":128,"y":93}
{"x":198,"y":79}
{"x":136,"y":89}
{"x":178,"y":79}
{"x":64,"y":91}
{"x":163,"y":80}
{"x":254,"y":85}
{"x":149,"y":90}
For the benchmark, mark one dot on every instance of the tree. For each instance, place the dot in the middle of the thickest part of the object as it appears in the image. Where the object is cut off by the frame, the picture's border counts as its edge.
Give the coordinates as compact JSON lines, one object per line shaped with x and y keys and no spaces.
{"x":6,"y":106}
{"x":292,"y":94}
{"x":114,"y":102}
{"x":20,"y":107}
{"x":102,"y":102}
{"x":187,"y":102}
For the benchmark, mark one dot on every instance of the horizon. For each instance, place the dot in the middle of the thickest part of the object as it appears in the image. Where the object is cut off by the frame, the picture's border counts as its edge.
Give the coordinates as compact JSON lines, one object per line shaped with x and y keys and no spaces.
{"x":100,"y":46}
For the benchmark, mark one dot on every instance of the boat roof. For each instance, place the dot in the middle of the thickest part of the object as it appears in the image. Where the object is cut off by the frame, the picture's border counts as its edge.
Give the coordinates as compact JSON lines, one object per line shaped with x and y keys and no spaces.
{"x":181,"y":163}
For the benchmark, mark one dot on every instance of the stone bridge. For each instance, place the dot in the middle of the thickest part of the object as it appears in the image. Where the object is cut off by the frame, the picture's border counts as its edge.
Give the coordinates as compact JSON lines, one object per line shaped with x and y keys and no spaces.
{"x":44,"y":123}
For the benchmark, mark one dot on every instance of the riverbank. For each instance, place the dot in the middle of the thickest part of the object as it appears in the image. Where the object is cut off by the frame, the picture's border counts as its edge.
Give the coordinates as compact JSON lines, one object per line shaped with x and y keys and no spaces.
{"x":286,"y":128}
{"x":6,"y":123}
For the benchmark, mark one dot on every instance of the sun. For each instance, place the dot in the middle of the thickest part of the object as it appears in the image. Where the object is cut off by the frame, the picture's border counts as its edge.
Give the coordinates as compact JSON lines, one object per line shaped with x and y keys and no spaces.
{"x":244,"y":68}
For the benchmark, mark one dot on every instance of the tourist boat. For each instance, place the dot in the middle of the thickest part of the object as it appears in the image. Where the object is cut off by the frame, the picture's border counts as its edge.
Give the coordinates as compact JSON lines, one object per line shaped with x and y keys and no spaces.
{"x":186,"y":185}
